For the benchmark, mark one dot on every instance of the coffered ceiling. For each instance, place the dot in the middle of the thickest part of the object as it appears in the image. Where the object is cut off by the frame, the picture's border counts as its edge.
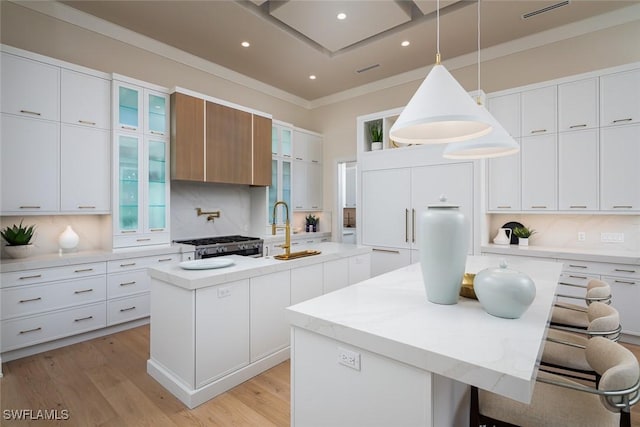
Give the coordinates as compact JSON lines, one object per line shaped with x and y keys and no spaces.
{"x":292,"y":40}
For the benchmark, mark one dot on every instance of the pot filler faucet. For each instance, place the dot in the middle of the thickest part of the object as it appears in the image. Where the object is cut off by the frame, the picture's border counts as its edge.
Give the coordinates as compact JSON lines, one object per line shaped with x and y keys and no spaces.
{"x":287,"y":227}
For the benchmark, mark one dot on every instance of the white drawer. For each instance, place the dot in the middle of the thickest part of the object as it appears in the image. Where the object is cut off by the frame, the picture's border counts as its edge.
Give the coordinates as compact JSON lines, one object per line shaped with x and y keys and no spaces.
{"x":133,"y":282}
{"x":26,"y":331}
{"x":625,"y":297}
{"x":579,"y":279}
{"x":130,"y":241}
{"x":586,"y":267}
{"x":28,"y":300}
{"x":622,"y":270}
{"x":141,"y":262}
{"x":601,"y":268}
{"x":126,"y":309}
{"x":40,"y":275}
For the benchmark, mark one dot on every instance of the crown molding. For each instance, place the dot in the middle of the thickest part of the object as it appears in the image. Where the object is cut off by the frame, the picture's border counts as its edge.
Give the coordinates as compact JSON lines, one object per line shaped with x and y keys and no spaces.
{"x":81,"y":19}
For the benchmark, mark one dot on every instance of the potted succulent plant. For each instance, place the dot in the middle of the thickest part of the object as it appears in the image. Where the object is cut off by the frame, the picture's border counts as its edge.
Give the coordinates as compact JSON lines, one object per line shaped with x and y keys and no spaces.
{"x":312,"y":223}
{"x":375,"y":132}
{"x":523,"y":234}
{"x":18,"y":238}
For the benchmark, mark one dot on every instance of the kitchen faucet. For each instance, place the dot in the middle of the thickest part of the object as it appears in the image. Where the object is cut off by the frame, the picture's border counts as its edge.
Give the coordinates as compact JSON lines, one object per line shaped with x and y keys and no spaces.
{"x":287,"y":227}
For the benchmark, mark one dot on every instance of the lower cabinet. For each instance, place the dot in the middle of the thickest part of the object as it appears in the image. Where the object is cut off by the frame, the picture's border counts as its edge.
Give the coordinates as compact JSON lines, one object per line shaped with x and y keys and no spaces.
{"x":626,"y":294}
{"x":269,"y":295}
{"x":306,"y":283}
{"x":384,"y":260}
{"x":222,"y":322}
{"x":336,"y":275}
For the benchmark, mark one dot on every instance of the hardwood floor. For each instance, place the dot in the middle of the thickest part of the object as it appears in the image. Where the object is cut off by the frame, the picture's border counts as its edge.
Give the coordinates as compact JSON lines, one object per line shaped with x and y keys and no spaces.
{"x":104,"y":382}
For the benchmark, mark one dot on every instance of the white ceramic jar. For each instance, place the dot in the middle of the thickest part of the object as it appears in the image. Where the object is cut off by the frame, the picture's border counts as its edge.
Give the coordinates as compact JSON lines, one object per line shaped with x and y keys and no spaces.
{"x":504,"y":292}
{"x":68,"y":239}
{"x":444,"y":240}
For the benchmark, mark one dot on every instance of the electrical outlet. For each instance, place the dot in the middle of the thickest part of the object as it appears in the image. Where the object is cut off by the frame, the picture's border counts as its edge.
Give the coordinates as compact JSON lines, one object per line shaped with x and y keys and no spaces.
{"x":224,"y":291}
{"x":349,"y":358}
{"x":612,"y":237}
{"x":582,"y":236}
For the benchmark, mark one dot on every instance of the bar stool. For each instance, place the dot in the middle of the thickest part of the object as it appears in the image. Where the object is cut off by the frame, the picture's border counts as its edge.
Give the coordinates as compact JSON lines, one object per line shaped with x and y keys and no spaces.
{"x":559,"y":401}
{"x":575,"y":315}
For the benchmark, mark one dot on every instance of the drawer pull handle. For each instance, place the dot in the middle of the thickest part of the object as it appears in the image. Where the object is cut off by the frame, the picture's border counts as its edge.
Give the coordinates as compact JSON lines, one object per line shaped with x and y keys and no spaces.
{"x":128,"y":127}
{"x":298,"y":158}
{"x":35,"y":276}
{"x":29,"y":207}
{"x":314,"y":161}
{"x":83,"y":291}
{"x":156,"y":229}
{"x":314,"y":207}
{"x":127,"y":309}
{"x":538,"y":131}
{"x":128,"y":265}
{"x":504,"y":207}
{"x":83,"y":318}
{"x":155,"y":132}
{"x":539,"y":207}
{"x":87,"y":122}
{"x":624,"y":271}
{"x":622,"y":120}
{"x":83,"y":270}
{"x":128,"y":231}
{"x":35,"y":113}
{"x":622,"y":207}
{"x":86,"y":207}
{"x":577,"y":266}
{"x":128,"y":283}
{"x":165,"y":259}
{"x":578,"y":277}
{"x":385,"y":250}
{"x":626,"y":282}
{"x":31,"y":330}
{"x":577,"y":126}
{"x":286,"y":155}
{"x":30,"y":300}
{"x":143,"y":240}
{"x":577,"y":207}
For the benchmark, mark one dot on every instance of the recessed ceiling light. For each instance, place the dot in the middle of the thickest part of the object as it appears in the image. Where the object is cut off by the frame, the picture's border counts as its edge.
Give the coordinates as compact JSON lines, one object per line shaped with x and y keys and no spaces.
{"x":245,"y":44}
{"x":312,"y":77}
{"x":405,"y":43}
{"x":342,"y":16}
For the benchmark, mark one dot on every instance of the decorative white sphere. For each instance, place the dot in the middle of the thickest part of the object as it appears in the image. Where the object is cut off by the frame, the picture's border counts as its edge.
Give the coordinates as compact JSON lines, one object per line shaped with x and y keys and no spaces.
{"x":68,"y":238}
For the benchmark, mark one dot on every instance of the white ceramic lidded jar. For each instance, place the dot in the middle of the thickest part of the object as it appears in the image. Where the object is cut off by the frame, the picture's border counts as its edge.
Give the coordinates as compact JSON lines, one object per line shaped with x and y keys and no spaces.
{"x":444,"y":241}
{"x":504,"y":292}
{"x":68,"y":239}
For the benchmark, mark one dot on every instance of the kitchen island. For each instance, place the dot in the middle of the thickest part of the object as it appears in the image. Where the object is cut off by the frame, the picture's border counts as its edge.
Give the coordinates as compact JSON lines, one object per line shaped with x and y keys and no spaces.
{"x":214,"y":329}
{"x":378,"y":353}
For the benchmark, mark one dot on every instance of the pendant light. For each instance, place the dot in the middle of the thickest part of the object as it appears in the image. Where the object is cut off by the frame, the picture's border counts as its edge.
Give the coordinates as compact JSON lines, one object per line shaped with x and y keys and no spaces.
{"x":441,"y":110}
{"x":497,"y":143}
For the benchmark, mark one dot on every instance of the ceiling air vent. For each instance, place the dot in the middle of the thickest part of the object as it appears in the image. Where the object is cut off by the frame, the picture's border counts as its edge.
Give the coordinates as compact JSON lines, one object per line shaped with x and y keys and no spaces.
{"x":370,"y":67}
{"x":545,"y":9}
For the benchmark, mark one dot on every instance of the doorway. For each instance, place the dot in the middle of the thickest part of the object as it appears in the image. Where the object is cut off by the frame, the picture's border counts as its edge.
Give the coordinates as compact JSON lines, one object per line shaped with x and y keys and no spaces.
{"x":347,"y":196}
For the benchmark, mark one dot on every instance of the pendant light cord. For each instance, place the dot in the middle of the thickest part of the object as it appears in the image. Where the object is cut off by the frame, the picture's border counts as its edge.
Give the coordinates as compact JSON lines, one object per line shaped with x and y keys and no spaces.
{"x":438,"y":32}
{"x":478,"y":100}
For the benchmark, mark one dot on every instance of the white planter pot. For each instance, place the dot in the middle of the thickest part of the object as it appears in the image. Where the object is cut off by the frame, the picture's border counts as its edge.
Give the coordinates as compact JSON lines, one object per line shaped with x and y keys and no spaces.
{"x":20,"y":251}
{"x":522,"y":241}
{"x":376,"y":146}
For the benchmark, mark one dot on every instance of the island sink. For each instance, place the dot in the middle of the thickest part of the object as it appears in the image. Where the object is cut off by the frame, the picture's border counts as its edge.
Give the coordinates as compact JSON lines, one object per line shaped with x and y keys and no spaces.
{"x":296,"y":255}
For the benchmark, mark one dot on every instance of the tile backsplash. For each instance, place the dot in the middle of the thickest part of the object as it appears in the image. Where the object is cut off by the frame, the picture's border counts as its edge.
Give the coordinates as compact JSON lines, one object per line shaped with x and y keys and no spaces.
{"x":562,"y":230}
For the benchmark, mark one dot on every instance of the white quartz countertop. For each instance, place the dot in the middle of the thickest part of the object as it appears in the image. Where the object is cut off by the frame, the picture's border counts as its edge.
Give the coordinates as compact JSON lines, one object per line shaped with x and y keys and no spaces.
{"x":247,"y":267}
{"x":391,"y":316}
{"x":597,"y":255}
{"x":83,"y":257}
{"x":280,"y":237}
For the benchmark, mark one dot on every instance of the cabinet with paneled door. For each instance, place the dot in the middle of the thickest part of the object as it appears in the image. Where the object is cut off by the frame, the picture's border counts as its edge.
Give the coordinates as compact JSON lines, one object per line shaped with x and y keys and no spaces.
{"x":539,"y":173}
{"x":619,"y":172}
{"x":578,"y":170}
{"x":578,"y":105}
{"x":620,"y":98}
{"x":538,"y":110}
{"x":307,"y":171}
{"x":141,"y":164}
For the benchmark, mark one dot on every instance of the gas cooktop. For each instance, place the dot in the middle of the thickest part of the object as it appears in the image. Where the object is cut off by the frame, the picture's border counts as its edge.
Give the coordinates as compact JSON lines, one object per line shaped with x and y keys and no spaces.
{"x":204,"y":241}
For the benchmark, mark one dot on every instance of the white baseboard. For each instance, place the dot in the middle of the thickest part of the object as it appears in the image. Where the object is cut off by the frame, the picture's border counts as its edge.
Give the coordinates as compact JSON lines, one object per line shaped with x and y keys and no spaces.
{"x":630,"y":339}
{"x":194,"y":397}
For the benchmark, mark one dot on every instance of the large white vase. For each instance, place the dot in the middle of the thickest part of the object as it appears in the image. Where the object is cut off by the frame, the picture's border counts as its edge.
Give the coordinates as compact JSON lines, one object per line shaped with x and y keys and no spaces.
{"x":68,"y":239}
{"x":444,"y":240}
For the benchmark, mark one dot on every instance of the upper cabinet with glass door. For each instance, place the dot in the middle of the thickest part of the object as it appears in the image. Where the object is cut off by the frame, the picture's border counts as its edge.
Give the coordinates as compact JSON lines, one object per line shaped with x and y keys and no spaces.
{"x":140,"y":110}
{"x":156,"y":119}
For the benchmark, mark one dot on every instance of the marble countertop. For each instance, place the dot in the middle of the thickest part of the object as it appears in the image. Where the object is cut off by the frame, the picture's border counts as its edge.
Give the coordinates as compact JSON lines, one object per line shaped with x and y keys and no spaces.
{"x":247,"y":267}
{"x":391,"y":316}
{"x":597,"y":255}
{"x":279,"y":237}
{"x":84,"y":257}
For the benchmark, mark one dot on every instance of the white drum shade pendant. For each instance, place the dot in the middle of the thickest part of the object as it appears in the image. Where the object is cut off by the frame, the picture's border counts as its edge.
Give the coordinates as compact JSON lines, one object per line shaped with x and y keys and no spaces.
{"x":497,"y":143}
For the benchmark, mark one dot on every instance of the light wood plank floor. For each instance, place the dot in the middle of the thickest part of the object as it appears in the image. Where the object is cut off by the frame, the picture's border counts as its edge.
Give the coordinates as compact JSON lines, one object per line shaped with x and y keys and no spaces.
{"x":103,"y":382}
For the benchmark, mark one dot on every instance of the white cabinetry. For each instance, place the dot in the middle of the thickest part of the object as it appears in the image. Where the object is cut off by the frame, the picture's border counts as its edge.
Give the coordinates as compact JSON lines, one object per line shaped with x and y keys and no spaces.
{"x":306,"y":283}
{"x":538,"y":111}
{"x":85,"y":100}
{"x":281,"y":170}
{"x":350,"y":185}
{"x":578,"y":105}
{"x":539,"y":169}
{"x":620,"y":175}
{"x":222,"y":330}
{"x":30,"y":165}
{"x":42,"y":305}
{"x":578,"y":177}
{"x":30,"y":88}
{"x":626,"y":294}
{"x":141,"y":166}
{"x":307,"y":171}
{"x":269,"y":296}
{"x":620,"y":98}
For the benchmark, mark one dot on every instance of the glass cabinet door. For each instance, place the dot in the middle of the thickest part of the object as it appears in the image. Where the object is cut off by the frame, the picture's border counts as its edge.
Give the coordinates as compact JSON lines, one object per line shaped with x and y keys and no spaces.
{"x":273,"y":191}
{"x":285,"y":142}
{"x":156,"y":113}
{"x":286,"y":184}
{"x":129,"y":111}
{"x":128,"y":183}
{"x":157,"y":187}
